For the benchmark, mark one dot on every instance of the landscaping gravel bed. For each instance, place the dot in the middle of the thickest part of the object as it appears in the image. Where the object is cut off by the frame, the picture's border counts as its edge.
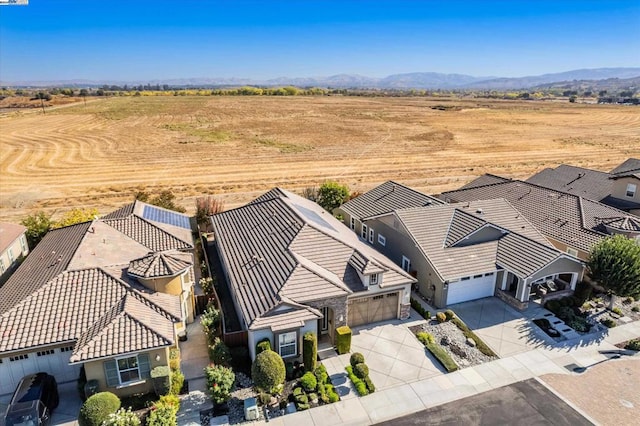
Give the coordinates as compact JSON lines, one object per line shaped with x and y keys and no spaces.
{"x":451,"y":338}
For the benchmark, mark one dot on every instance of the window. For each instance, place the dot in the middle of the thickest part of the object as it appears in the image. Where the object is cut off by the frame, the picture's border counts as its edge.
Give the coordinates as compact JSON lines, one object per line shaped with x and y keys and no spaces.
{"x":66,"y":349}
{"x":127,"y":370}
{"x":371,"y":235}
{"x":23,"y":243}
{"x":382,"y":240}
{"x":406,"y":263}
{"x":631,"y":190}
{"x":488,"y":274}
{"x":363,"y":234}
{"x":572,"y":252}
{"x":352,"y":223}
{"x":477,"y":276}
{"x":18,"y":357}
{"x":10,"y":253}
{"x":2,"y":268}
{"x":465,"y":278}
{"x":43,"y":353}
{"x":288,"y":344}
{"x":373,"y":279}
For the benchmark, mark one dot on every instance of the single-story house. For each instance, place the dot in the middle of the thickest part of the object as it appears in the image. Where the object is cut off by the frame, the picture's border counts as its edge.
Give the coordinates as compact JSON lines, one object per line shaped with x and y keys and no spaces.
{"x":467,"y":251}
{"x":292,"y":267}
{"x":111,"y":295}
{"x":617,"y":188}
{"x":573,"y":224}
{"x":13,"y":247}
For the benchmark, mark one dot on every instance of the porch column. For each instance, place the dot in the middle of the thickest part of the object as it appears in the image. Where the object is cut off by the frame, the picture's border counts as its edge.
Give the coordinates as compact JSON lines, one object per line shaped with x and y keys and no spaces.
{"x":522,"y":293}
{"x":574,"y":280}
{"x":504,"y":281}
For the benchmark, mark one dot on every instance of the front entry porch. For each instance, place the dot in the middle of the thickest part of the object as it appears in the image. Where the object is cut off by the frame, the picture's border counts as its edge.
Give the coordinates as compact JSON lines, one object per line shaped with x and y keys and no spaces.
{"x":518,"y":291}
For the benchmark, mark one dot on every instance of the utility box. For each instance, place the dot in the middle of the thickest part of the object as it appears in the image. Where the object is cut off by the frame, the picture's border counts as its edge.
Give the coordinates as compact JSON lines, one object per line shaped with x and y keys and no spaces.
{"x":251,"y":409}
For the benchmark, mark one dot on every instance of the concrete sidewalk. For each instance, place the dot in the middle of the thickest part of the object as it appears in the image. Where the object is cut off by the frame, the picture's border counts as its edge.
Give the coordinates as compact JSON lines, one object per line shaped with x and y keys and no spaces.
{"x":412,"y":397}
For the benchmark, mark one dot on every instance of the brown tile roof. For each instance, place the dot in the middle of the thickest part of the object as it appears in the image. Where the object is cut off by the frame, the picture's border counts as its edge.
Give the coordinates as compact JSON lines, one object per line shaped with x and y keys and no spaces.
{"x":161,"y":264}
{"x":9,"y":232}
{"x":272,"y":246}
{"x":565,"y":217}
{"x":147,"y":234}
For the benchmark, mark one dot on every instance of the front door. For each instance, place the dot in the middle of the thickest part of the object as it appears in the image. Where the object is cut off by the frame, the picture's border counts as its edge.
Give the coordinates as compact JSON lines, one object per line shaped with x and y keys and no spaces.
{"x":324,"y":322}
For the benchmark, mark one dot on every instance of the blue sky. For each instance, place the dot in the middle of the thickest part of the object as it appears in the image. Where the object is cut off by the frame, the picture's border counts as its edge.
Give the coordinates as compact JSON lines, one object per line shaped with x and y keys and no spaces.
{"x":146,"y":40}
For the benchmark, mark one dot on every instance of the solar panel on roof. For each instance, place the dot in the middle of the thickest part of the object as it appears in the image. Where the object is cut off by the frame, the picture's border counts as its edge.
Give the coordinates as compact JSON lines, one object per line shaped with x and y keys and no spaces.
{"x":163,"y":216}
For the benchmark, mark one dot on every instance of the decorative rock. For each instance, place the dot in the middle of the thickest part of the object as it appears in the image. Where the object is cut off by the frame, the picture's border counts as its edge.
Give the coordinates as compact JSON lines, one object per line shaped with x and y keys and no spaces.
{"x":471,"y":342}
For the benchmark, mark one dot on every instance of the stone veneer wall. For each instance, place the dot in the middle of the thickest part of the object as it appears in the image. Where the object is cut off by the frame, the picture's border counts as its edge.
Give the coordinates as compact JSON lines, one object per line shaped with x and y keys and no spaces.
{"x":511,"y":301}
{"x":405,"y":311}
{"x":339,"y":306}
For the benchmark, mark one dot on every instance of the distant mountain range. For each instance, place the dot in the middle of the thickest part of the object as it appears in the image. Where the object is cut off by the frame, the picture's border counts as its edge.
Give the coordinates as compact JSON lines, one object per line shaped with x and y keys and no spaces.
{"x":416,"y":80}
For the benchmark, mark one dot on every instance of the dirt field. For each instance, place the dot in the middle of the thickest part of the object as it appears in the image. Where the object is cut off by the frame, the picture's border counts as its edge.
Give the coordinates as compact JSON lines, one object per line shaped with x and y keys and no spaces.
{"x":98,"y":155}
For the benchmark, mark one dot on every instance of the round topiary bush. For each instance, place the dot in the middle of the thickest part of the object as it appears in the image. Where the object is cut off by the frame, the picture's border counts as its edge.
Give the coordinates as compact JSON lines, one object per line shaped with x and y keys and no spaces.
{"x":268,"y":371}
{"x":97,"y":409}
{"x":361,"y":370}
{"x":449,"y":314}
{"x":634,"y":345}
{"x":308,"y":381}
{"x":356,"y":358}
{"x":441,"y":317}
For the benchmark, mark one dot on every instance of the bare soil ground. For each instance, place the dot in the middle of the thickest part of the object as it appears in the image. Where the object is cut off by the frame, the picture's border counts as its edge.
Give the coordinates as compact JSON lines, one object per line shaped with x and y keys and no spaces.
{"x":99,"y":154}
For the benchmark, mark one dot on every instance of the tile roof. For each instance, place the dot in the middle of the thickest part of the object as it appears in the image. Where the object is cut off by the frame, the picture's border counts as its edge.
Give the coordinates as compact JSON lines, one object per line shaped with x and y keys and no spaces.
{"x":9,"y":232}
{"x":285,"y":245}
{"x":586,"y":183}
{"x":631,"y":224}
{"x":431,"y":228}
{"x":48,"y":259}
{"x":564,"y":217}
{"x":129,"y":326}
{"x":161,"y":264}
{"x":147,"y":234}
{"x":385,"y":198}
{"x":486,"y":179}
{"x":631,"y":167}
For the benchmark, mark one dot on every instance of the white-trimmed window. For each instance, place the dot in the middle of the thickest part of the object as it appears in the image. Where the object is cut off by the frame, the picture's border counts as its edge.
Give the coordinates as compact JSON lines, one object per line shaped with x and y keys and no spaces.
{"x":2,"y":267}
{"x":572,"y":252}
{"x":10,"y":254}
{"x":371,"y":235}
{"x":126,"y":370}
{"x":373,"y":279}
{"x":465,"y":278}
{"x":631,"y":190}
{"x":352,"y":223}
{"x":363,"y":234}
{"x":382,"y":240}
{"x":23,"y":243}
{"x":288,"y":344}
{"x":406,"y":264}
{"x":477,"y":276}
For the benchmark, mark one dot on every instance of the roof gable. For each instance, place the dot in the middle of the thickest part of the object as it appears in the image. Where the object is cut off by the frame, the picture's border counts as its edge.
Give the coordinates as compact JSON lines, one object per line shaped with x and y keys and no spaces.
{"x":9,"y":232}
{"x":630,"y":167}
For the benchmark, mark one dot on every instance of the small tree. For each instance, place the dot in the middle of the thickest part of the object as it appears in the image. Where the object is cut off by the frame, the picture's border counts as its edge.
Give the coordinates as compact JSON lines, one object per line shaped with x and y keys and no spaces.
{"x":268,"y":372}
{"x":331,"y":195}
{"x":75,"y":216}
{"x":615,"y":264}
{"x":37,"y":224}
{"x":97,"y":408}
{"x":220,"y":382}
{"x":309,"y":350}
{"x":166,"y":200}
{"x":210,"y":320}
{"x":207,"y":206}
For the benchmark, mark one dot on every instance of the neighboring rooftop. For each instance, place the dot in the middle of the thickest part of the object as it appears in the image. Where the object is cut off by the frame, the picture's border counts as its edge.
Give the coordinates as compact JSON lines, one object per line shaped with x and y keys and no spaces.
{"x":568,"y":218}
{"x":285,"y":250}
{"x":631,"y":167}
{"x":474,"y":238}
{"x":385,"y":198}
{"x":9,"y":232}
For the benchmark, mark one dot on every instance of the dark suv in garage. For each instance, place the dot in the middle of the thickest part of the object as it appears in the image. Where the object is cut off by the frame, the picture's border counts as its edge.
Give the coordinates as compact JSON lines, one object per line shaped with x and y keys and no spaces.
{"x":33,"y":401}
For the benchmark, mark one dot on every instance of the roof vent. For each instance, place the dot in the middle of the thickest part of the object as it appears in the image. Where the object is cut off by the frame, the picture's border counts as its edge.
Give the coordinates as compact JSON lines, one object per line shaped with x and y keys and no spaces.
{"x":479,"y":210}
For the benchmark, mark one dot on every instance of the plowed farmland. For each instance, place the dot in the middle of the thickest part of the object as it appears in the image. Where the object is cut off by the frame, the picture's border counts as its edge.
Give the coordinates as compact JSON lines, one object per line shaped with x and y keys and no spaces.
{"x":101,"y":153}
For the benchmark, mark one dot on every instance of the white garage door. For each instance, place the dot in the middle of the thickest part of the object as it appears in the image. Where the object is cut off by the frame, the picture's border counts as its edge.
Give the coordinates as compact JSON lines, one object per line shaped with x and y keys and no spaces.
{"x":366,"y":310}
{"x":52,"y":361}
{"x":471,"y":289}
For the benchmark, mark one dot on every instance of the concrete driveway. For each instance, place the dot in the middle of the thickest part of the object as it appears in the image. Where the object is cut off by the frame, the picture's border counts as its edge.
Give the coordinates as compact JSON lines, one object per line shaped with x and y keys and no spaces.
{"x":391,"y":351}
{"x":506,"y":331}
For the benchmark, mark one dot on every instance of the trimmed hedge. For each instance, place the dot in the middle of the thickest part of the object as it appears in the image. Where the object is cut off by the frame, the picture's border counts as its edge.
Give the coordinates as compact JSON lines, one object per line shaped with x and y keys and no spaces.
{"x":482,"y":347}
{"x":634,"y":345}
{"x":309,"y":381}
{"x":263,"y":345}
{"x":441,"y":355}
{"x":219,"y":352}
{"x":441,"y":317}
{"x":419,"y":309}
{"x":583,"y":292}
{"x":97,"y":409}
{"x":356,"y":358}
{"x":343,"y":339}
{"x":361,"y":387}
{"x":425,"y":338}
{"x":361,"y":370}
{"x":268,"y":371}
{"x":309,"y":350}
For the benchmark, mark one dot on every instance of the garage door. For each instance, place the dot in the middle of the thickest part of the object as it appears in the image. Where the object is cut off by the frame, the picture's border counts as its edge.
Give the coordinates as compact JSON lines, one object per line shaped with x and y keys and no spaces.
{"x":366,"y":310}
{"x":52,"y":361}
{"x":471,"y":289}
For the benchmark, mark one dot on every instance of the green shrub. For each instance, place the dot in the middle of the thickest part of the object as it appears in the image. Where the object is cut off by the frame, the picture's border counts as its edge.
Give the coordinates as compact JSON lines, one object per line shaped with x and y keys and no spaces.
{"x":369,"y":383}
{"x":298,"y":391}
{"x":482,"y":347}
{"x":303,"y":398}
{"x":579,"y":324}
{"x":583,"y":292}
{"x":313,"y":397}
{"x":628,"y":300}
{"x":361,"y":388}
{"x":264,"y":398}
{"x":343,"y":339}
{"x":122,"y":417}
{"x":309,"y":350}
{"x":552,"y":305}
{"x":210,"y":320}
{"x":356,"y":358}
{"x":220,"y":382}
{"x":174,"y":359}
{"x":633,"y":345}
{"x":449,"y":314}
{"x":635,"y":309}
{"x":263,"y":345}
{"x":608,"y":322}
{"x":441,"y":355}
{"x":177,"y":381}
{"x":219,"y":353}
{"x":415,"y":304}
{"x":617,"y":311}
{"x":308,"y":381}
{"x":333,"y":397}
{"x":161,"y":376}
{"x":97,"y":408}
{"x":425,"y":337}
{"x":302,"y":407}
{"x":321,"y":374}
{"x":172,"y":400}
{"x":441,"y":317}
{"x":361,"y":370}
{"x":268,"y":371}
{"x":162,"y":414}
